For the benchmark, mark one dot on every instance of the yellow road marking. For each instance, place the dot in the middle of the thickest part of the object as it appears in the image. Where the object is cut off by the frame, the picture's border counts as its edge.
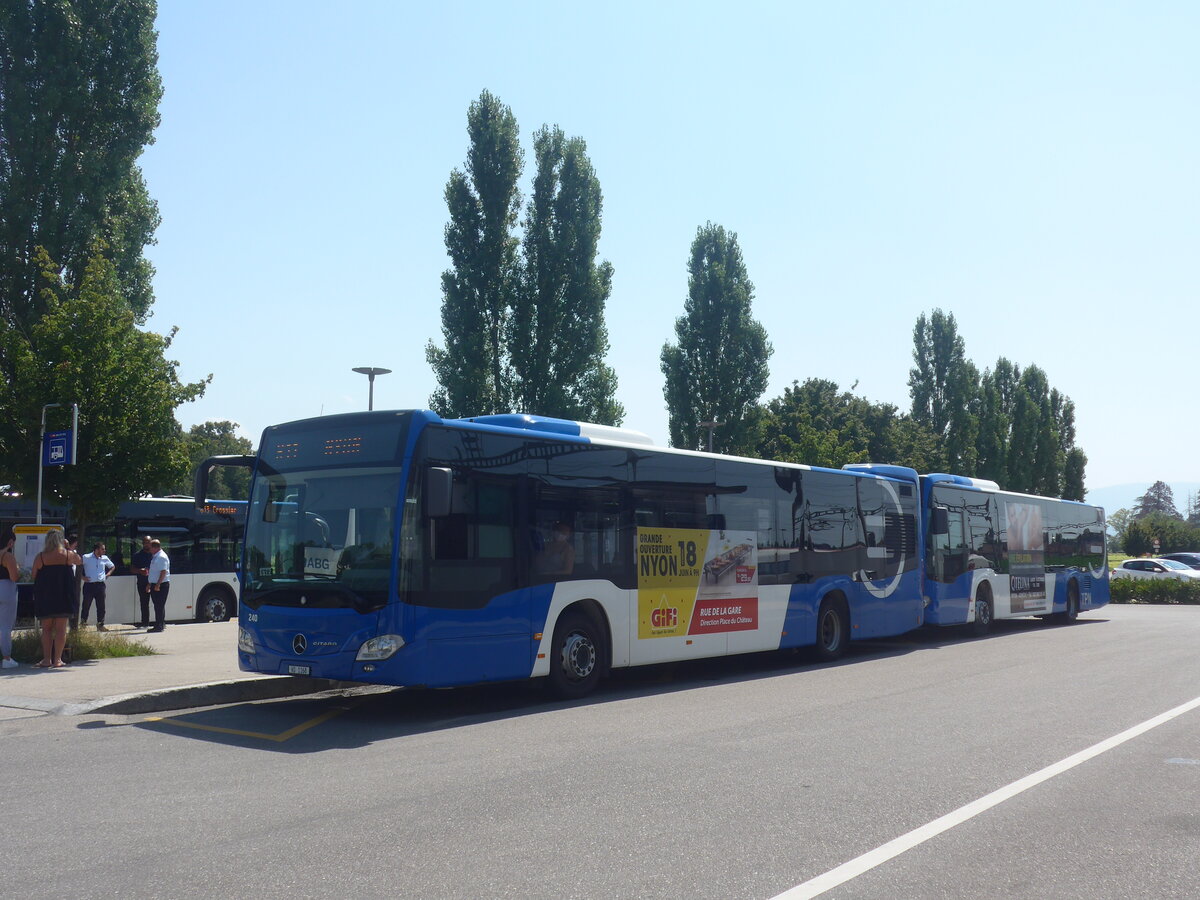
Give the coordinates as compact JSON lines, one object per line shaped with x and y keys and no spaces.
{"x":258,"y":735}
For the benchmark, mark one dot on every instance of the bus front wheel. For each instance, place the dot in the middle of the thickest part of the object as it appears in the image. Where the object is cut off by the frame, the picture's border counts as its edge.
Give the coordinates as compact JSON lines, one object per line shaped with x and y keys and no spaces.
{"x":577,"y":659}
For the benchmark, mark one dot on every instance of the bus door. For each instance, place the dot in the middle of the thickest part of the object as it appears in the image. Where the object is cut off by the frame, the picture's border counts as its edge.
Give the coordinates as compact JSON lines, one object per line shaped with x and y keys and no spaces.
{"x":471,"y":614}
{"x":947,"y":544}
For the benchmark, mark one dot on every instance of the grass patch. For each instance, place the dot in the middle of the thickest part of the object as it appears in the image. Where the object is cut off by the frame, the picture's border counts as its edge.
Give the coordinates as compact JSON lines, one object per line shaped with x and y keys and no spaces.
{"x":27,"y":645}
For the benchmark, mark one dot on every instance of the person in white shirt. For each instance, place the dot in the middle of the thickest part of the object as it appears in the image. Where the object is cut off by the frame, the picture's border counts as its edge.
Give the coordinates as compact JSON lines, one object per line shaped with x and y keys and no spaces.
{"x":96,"y":567}
{"x":160,"y":584}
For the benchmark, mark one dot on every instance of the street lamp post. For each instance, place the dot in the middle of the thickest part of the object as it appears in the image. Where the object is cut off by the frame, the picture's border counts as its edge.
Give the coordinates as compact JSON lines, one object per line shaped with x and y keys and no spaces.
{"x":711,"y":426}
{"x":371,"y":372}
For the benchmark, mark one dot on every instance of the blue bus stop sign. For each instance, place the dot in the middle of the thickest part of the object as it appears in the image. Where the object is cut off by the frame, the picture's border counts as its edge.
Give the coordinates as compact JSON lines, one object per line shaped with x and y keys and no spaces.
{"x":56,"y":449}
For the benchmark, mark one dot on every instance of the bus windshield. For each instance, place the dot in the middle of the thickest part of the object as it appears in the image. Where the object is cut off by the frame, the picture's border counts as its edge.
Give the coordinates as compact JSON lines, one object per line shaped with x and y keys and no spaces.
{"x":321,"y":538}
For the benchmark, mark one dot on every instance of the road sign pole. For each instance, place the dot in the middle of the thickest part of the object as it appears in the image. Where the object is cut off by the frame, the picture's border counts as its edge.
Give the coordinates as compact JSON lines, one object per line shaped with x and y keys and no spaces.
{"x":41,"y":452}
{"x":74,"y":433}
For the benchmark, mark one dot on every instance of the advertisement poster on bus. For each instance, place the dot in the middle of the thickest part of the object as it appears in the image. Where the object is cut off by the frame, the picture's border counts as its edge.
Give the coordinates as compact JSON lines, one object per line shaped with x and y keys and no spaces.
{"x":692,"y":581}
{"x":1026,"y":558}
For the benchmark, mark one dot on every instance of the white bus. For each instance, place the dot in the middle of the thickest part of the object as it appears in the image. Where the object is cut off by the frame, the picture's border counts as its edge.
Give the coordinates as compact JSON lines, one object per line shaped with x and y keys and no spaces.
{"x":204,"y":546}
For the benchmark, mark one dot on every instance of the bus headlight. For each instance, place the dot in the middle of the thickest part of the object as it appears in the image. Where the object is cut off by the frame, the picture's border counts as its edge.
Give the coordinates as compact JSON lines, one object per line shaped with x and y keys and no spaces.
{"x":245,"y":641}
{"x":381,"y":647}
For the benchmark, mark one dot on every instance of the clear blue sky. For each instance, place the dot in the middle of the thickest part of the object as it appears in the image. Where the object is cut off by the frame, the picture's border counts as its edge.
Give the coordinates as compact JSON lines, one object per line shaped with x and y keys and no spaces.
{"x":1030,"y":167}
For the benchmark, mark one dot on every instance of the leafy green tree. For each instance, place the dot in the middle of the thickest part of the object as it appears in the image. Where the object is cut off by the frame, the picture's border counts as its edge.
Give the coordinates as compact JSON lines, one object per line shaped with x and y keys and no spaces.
{"x":944,"y":386}
{"x":805,"y":426}
{"x":478,"y":291}
{"x":557,"y":339}
{"x":1193,"y":508}
{"x":818,"y":424}
{"x":1159,"y":498}
{"x":1118,"y":523}
{"x":216,"y":439}
{"x":86,"y":348}
{"x":717,"y":370}
{"x":79,"y":93}
{"x":1171,"y":532}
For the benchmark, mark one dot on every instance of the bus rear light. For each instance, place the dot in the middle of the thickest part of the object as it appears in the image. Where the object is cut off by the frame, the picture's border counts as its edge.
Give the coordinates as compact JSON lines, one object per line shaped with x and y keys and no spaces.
{"x":381,"y":647}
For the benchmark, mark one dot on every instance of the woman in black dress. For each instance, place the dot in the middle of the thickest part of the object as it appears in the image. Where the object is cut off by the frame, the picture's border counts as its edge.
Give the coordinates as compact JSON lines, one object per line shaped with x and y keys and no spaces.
{"x":54,"y":597}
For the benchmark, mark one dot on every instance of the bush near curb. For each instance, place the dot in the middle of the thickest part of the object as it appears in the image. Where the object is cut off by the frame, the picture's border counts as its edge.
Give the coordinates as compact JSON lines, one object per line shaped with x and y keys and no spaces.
{"x":81,"y":645}
{"x":1152,"y":590}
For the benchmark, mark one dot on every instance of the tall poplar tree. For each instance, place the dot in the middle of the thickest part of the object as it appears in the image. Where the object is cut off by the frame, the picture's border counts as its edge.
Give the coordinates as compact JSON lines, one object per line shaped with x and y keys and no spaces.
{"x":944,"y":386}
{"x":717,"y":370}
{"x":79,"y":94}
{"x":472,"y":369}
{"x":556,"y":337}
{"x":997,"y":393}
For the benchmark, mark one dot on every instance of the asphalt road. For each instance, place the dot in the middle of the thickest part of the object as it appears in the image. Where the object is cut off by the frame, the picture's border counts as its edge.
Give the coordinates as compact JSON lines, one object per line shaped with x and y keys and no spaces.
{"x":737,"y":778}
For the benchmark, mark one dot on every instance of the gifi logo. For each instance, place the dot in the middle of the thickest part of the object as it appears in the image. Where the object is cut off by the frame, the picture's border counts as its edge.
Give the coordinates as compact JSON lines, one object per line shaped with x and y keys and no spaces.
{"x":664,"y":618}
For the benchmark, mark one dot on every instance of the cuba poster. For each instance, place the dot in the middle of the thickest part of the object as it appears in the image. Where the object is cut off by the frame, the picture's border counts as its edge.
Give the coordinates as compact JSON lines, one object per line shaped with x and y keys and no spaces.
{"x":1026,"y":558}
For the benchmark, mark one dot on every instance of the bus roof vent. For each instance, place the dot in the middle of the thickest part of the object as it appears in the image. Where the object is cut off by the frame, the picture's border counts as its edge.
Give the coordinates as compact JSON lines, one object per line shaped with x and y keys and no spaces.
{"x":963,"y":480}
{"x":549,"y":425}
{"x":902,"y":473}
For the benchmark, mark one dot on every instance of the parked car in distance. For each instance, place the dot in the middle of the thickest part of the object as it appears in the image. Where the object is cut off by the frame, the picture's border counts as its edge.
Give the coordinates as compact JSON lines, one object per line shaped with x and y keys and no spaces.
{"x":1155,"y":568}
{"x":1191,"y":560}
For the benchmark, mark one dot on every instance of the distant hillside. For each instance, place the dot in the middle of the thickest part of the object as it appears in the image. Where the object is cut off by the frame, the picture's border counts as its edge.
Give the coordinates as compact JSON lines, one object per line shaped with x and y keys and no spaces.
{"x":1124,"y":496}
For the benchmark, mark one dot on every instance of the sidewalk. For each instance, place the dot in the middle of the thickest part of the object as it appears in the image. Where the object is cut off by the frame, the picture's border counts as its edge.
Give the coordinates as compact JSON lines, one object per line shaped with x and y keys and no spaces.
{"x":195,"y":665}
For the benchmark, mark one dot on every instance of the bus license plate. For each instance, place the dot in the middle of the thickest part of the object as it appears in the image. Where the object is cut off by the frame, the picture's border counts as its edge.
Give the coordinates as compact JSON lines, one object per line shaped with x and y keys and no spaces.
{"x":299,"y":670}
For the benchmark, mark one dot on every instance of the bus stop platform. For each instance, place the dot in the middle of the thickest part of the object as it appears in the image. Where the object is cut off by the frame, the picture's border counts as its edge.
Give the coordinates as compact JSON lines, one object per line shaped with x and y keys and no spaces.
{"x":195,"y":664}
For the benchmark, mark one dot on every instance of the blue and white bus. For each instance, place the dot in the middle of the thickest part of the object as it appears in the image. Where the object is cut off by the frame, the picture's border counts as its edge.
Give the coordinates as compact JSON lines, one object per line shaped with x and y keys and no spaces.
{"x":401,"y":548}
{"x":992,"y":554}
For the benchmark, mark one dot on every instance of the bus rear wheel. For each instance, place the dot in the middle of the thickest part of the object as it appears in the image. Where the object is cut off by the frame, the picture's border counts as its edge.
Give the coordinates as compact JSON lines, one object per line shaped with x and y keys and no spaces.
{"x":576,"y":660}
{"x":983,"y":611}
{"x":213,"y":606}
{"x":833,"y":629}
{"x":1072,"y":611}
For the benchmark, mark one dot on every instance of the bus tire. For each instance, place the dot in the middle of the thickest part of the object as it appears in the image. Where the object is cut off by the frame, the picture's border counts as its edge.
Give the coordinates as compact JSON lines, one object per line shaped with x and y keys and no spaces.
{"x":1072,"y":612}
{"x":214,"y":605}
{"x":833,"y":629}
{"x":983,"y":610}
{"x":577,"y":655}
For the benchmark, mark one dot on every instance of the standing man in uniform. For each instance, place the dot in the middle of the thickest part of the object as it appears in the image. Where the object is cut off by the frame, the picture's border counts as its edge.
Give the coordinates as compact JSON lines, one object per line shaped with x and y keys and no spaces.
{"x":139,"y":565}
{"x":160,"y":584}
{"x":96,"y":568}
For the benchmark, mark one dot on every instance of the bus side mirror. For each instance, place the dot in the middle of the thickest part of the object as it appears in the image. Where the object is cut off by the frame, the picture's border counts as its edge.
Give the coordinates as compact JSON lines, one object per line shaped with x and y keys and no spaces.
{"x":200,"y":476}
{"x":939,"y":520}
{"x":439,"y":483}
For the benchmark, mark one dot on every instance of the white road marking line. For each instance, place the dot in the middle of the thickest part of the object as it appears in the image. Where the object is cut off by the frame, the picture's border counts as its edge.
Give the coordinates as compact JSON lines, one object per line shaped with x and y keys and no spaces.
{"x":855,"y":867}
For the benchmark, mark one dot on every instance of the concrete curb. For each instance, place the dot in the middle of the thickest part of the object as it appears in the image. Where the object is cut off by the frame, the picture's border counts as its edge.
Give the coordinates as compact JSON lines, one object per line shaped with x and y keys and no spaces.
{"x":213,"y":693}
